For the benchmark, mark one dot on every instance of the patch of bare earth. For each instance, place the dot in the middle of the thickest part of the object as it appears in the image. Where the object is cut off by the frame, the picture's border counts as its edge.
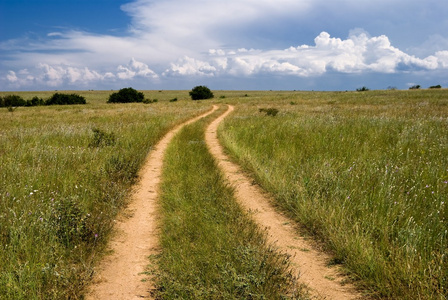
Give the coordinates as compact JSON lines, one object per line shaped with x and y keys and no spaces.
{"x":308,"y":264}
{"x":121,"y":274}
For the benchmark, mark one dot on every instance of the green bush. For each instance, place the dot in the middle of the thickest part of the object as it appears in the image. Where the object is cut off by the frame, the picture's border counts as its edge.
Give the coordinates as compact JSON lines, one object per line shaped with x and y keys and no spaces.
{"x":415,"y":87}
{"x":126,"y":95}
{"x":35,"y":101}
{"x":12,"y":100}
{"x":102,"y":138}
{"x":65,"y":99}
{"x":435,"y":86}
{"x":201,"y":92}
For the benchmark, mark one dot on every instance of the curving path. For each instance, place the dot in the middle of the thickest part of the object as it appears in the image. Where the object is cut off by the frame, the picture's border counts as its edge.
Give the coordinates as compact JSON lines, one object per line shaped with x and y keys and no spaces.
{"x":308,"y":264}
{"x":121,"y":274}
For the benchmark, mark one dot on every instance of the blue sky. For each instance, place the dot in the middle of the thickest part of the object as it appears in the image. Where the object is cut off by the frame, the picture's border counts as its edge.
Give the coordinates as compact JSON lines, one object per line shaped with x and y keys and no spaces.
{"x":224,"y":44}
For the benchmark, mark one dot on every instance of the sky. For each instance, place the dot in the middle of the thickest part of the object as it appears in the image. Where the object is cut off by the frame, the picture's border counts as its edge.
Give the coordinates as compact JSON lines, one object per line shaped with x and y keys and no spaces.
{"x":223,"y":44}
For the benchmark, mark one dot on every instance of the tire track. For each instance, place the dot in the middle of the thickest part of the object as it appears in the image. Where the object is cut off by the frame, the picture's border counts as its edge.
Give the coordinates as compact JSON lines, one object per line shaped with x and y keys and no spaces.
{"x":308,"y":264}
{"x":121,"y":274}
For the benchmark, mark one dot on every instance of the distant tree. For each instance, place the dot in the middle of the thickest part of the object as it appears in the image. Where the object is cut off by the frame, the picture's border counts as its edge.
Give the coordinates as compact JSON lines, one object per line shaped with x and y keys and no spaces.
{"x":435,"y":86}
{"x":201,"y":92}
{"x":126,"y":95}
{"x":363,"y":89}
{"x":415,"y":87}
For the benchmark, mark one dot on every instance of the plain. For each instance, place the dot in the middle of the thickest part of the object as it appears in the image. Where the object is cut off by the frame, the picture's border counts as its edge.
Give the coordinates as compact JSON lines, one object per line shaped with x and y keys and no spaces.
{"x":364,"y":172}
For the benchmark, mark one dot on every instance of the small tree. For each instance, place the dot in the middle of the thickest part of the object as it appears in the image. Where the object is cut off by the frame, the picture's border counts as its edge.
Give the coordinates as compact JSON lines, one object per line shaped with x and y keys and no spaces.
{"x":126,"y":95}
{"x":201,"y":92}
{"x":435,"y":86}
{"x":415,"y":87}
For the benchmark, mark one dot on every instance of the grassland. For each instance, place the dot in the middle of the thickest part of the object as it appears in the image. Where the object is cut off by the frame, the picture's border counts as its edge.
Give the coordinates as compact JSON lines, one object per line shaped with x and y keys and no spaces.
{"x":367,"y":173}
{"x":211,"y":249}
{"x":364,"y":172}
{"x":61,"y":186}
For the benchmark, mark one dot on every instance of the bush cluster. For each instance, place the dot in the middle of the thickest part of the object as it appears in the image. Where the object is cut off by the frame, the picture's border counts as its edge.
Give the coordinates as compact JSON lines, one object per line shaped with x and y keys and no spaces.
{"x":201,"y":92}
{"x":56,"y":99}
{"x":126,"y":95}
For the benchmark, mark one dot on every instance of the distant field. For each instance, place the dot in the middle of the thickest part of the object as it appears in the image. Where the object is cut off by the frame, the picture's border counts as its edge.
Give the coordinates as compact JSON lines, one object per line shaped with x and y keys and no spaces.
{"x":365,"y":172}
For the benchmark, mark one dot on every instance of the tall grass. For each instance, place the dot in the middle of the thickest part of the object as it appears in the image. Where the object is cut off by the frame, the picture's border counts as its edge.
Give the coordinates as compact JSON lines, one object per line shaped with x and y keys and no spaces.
{"x":210,"y":248}
{"x":365,"y":172}
{"x":64,"y":174}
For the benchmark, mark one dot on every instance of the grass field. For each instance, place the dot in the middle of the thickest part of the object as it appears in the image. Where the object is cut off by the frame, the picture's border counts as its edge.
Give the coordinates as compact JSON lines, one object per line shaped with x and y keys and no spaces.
{"x":365,"y":172}
{"x":62,"y":185}
{"x":211,"y":249}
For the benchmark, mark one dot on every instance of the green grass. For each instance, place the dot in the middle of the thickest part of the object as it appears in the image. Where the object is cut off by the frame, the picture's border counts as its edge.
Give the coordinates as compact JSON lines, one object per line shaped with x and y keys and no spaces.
{"x":61,"y":186}
{"x":365,"y":172}
{"x":210,"y":248}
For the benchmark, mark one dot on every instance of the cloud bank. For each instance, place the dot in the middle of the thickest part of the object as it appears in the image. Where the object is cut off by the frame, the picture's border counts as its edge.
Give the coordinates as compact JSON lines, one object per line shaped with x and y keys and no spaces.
{"x":175,"y":39}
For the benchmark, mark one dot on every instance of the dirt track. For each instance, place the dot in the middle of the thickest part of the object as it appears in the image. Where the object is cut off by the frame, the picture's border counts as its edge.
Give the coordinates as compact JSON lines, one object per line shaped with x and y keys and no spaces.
{"x":120,"y":275}
{"x":311,"y":265}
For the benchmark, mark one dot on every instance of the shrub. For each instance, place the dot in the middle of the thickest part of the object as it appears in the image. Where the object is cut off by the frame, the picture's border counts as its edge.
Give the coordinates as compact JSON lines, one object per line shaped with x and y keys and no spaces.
{"x":13,"y":100}
{"x":173,"y":100}
{"x":102,"y":138}
{"x":363,"y":89}
{"x":435,"y":86}
{"x":415,"y":87}
{"x":269,"y":111}
{"x":126,"y":95}
{"x":70,"y":221}
{"x":65,"y":99}
{"x":201,"y":92}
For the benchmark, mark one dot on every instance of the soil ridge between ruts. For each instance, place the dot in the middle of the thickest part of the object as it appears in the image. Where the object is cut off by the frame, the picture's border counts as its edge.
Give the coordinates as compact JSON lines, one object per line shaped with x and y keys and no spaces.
{"x":308,"y":264}
{"x":121,"y":274}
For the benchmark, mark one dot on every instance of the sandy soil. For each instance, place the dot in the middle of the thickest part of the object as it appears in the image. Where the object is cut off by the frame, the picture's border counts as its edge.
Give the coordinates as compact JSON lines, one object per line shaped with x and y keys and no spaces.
{"x":120,"y":275}
{"x":310,"y":264}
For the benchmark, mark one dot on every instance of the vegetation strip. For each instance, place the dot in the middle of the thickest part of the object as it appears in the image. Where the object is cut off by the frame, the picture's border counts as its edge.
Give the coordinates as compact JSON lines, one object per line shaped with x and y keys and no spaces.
{"x":210,"y":248}
{"x":122,"y":274}
{"x":323,"y":281}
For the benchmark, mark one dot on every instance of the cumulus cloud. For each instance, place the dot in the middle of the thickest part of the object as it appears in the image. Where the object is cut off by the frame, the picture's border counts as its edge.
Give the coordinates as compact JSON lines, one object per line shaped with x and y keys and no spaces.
{"x":204,"y":38}
{"x":56,"y":75}
{"x":356,"y":54}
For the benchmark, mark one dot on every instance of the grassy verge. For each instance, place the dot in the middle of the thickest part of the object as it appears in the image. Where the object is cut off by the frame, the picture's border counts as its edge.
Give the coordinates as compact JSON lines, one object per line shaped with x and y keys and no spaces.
{"x":365,"y":172}
{"x":64,"y":174}
{"x":211,"y":249}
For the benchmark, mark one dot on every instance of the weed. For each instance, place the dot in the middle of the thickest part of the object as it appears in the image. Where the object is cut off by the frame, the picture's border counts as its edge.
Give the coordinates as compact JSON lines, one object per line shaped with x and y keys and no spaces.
{"x":269,"y":111}
{"x":101,"y":138}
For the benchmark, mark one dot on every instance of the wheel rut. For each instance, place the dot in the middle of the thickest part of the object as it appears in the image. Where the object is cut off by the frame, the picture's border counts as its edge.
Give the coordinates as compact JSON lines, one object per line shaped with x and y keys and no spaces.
{"x":120,"y":275}
{"x":308,"y":264}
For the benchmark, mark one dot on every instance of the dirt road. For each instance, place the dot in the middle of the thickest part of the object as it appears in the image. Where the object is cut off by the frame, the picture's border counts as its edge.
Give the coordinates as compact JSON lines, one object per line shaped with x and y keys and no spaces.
{"x":120,"y":275}
{"x":311,"y":265}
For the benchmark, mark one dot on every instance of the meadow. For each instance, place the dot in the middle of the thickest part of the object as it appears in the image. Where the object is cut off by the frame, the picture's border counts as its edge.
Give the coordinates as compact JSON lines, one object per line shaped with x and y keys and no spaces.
{"x":211,"y":248}
{"x":365,"y":173}
{"x":65,"y":172}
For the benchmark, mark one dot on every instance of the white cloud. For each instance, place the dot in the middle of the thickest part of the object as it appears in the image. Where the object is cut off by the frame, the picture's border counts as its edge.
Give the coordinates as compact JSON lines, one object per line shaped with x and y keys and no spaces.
{"x":171,"y":38}
{"x":56,"y":75}
{"x":356,"y":54}
{"x":135,"y":69}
